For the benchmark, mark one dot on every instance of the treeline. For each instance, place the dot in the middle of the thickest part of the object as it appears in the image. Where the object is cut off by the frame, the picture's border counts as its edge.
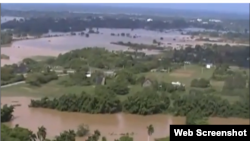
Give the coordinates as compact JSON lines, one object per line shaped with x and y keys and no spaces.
{"x":147,"y":102}
{"x":40,"y":25}
{"x":215,"y":54}
{"x":37,"y":79}
{"x":135,"y":61}
{"x":6,"y":113}
{"x":6,"y":38}
{"x":200,"y":83}
{"x":9,"y":75}
{"x":238,"y":37}
{"x":136,"y":46}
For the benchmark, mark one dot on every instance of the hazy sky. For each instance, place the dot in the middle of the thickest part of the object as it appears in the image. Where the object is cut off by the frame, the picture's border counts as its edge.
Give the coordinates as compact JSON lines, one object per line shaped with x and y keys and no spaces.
{"x":240,"y":8}
{"x":216,"y":7}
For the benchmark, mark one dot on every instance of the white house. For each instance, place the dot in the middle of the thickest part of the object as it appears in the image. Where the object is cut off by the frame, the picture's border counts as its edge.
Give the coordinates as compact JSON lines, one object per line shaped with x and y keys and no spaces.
{"x":177,"y":84}
{"x":199,"y":20}
{"x":149,"y":20}
{"x":88,"y":75}
{"x":208,"y":66}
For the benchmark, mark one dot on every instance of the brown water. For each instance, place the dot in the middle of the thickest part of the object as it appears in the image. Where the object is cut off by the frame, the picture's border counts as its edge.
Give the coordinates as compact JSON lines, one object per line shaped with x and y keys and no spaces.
{"x":56,"y":122}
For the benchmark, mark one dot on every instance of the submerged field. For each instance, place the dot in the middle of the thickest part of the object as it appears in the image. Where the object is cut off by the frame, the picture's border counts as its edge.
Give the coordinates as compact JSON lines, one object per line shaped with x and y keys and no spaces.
{"x":52,"y":46}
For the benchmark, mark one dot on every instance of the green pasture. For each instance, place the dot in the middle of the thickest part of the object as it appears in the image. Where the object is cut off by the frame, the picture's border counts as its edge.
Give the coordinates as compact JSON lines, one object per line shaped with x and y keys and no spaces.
{"x":185,"y":75}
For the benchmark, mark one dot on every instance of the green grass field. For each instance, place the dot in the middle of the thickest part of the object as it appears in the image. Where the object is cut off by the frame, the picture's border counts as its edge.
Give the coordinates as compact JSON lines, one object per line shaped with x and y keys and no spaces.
{"x":185,"y":75}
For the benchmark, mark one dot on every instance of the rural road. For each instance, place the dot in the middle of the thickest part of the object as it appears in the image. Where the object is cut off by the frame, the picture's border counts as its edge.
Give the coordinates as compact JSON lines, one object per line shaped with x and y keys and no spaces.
{"x":22,"y":82}
{"x":13,"y":84}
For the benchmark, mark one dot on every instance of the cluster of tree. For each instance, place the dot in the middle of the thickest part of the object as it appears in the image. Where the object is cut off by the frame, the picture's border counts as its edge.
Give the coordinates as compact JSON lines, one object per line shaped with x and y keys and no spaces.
{"x":32,"y":65}
{"x":9,"y":75}
{"x":208,"y":105}
{"x":103,"y":101}
{"x":125,"y":35}
{"x":215,"y":54}
{"x":6,"y":113}
{"x":136,"y":62}
{"x":6,"y":38}
{"x":146,"y":102}
{"x":40,"y":25}
{"x":240,"y":37}
{"x":235,"y":84}
{"x":37,"y":79}
{"x":194,"y":118}
{"x":222,"y":72}
{"x":136,"y":46}
{"x":149,"y":101}
{"x":200,"y":83}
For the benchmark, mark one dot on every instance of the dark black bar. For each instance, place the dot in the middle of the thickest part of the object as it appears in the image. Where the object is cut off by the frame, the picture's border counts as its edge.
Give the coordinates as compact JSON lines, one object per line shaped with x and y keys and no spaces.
{"x":178,"y":132}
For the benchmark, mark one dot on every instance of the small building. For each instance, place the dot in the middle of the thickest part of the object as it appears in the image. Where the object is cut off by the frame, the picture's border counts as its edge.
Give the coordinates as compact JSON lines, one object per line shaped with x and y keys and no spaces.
{"x":149,"y":20}
{"x":187,"y":62}
{"x":209,"y":66}
{"x":88,"y":75}
{"x":109,"y":73}
{"x":177,"y":83}
{"x":147,"y":83}
{"x":199,"y":20}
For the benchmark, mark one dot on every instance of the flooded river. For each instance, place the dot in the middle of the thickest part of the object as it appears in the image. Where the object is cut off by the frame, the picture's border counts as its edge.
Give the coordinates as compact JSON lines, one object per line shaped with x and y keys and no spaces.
{"x":56,"y":121}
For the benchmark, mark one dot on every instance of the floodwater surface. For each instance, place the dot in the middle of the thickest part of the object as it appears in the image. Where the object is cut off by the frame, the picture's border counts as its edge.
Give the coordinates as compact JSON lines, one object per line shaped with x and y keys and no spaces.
{"x":110,"y":126}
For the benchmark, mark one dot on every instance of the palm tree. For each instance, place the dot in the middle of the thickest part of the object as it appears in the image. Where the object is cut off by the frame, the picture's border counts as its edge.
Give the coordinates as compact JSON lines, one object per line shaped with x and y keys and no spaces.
{"x":41,"y":133}
{"x":150,"y":131}
{"x":32,"y":136}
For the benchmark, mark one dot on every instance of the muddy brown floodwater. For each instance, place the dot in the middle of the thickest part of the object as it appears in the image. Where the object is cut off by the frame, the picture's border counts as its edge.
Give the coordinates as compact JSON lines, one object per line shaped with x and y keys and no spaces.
{"x":115,"y":124}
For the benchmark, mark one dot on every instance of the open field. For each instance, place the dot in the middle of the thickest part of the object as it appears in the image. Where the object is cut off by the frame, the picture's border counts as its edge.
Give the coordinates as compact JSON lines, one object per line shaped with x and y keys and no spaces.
{"x":185,"y":75}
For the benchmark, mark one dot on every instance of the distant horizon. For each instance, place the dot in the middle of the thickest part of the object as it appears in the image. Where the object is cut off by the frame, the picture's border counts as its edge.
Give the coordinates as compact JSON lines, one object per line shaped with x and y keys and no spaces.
{"x":225,"y":8}
{"x":238,"y":8}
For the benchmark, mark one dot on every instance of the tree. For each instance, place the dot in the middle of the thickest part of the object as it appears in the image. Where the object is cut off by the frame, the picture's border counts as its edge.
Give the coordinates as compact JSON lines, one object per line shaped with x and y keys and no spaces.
{"x":150,"y":129}
{"x":195,"y":118}
{"x":154,"y":41}
{"x":125,"y":138}
{"x":6,"y":113}
{"x":82,"y":130}
{"x":41,"y":133}
{"x":119,"y":86}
